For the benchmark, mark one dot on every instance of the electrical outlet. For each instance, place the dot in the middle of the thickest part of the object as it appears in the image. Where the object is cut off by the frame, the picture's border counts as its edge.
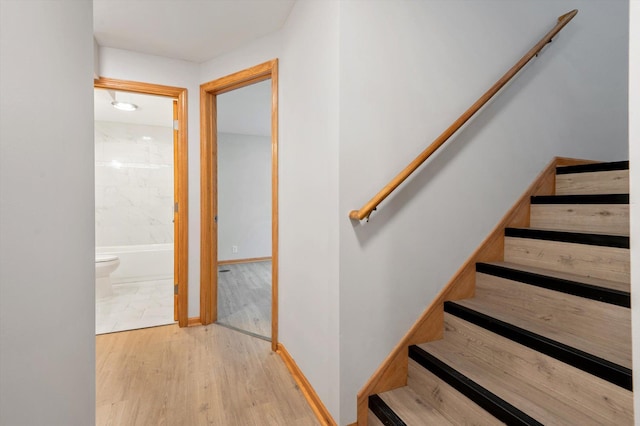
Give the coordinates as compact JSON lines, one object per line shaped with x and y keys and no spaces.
{"x":234,"y":249}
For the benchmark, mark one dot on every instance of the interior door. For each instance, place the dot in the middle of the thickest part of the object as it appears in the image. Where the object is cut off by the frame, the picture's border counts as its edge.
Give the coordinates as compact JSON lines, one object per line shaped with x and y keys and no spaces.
{"x":244,"y":208}
{"x":176,"y":253}
{"x":208,"y":191}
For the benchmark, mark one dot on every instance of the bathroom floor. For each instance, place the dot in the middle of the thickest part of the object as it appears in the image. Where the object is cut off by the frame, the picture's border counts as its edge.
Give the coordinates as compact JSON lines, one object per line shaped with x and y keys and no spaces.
{"x":135,"y":305}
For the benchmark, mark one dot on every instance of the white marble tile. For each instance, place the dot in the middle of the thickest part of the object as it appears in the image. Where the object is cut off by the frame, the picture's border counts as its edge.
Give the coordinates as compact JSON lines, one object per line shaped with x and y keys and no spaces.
{"x":134,"y":184}
{"x":135,"y":305}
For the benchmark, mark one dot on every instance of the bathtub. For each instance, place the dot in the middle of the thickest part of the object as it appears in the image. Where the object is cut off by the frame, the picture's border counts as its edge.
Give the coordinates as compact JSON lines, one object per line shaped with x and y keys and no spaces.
{"x":141,"y":262}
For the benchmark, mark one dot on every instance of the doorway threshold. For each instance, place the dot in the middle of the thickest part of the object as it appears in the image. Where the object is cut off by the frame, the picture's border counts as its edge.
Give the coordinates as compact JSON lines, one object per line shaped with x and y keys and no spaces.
{"x":239,"y":330}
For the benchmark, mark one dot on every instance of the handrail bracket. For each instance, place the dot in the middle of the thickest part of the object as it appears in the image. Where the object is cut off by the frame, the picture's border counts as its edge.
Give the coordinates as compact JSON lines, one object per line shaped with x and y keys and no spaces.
{"x":369,"y":215}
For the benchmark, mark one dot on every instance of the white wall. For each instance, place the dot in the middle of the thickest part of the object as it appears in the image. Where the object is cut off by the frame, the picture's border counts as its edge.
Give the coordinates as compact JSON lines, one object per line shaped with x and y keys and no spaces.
{"x":126,"y":65}
{"x":308,"y":148}
{"x":309,"y":217}
{"x":409,"y":69}
{"x":244,"y":196}
{"x":96,"y":58}
{"x":47,"y":334}
{"x":634,"y":157}
{"x":246,"y":111}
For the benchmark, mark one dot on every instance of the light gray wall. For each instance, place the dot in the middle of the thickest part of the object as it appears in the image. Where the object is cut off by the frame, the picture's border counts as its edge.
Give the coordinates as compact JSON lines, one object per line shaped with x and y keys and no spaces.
{"x":634,"y":157}
{"x":96,"y":59}
{"x":409,"y":69}
{"x":309,"y":220}
{"x":245,"y":111}
{"x":308,"y":149}
{"x":47,"y":330}
{"x":244,"y":196}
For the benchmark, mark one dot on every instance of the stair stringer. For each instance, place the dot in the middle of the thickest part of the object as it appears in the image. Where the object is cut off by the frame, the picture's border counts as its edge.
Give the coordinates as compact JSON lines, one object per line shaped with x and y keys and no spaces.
{"x":393,"y":371}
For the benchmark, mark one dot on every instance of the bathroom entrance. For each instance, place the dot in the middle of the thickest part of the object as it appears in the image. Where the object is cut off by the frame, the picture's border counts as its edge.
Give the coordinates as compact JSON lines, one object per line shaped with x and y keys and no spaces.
{"x":141,"y":205}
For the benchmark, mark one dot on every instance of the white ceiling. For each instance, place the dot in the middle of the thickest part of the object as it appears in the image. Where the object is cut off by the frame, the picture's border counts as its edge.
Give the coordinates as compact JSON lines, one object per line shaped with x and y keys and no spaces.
{"x":152,"y":110}
{"x":193,"y":30}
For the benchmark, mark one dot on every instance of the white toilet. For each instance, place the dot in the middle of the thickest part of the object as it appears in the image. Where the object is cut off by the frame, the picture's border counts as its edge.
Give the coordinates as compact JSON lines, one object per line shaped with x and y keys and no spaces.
{"x":105,"y":265}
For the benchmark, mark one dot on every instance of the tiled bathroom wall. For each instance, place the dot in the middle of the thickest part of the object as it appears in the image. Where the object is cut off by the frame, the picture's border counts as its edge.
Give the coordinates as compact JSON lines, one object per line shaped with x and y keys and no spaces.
{"x":134,"y":184}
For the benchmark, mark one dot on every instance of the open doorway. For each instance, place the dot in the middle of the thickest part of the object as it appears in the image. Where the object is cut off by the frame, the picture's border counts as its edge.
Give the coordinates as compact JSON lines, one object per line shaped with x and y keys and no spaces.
{"x":243,"y":125}
{"x":141,"y":205}
{"x":213,"y":96}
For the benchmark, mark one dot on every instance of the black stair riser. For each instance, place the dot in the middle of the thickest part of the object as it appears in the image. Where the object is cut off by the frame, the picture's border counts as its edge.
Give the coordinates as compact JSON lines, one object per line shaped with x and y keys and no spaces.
{"x":617,"y":241}
{"x":581,"y":199}
{"x":588,"y":291}
{"x":584,"y":361}
{"x":383,"y":412}
{"x":493,"y":404}
{"x":594,"y":167}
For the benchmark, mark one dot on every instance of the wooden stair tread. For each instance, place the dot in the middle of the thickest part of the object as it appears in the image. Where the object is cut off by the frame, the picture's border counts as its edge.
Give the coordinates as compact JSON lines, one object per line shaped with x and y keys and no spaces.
{"x":611,"y":219}
{"x":598,"y":239}
{"x":411,"y":409}
{"x":564,"y":283}
{"x":592,"y":281}
{"x":589,"y":363}
{"x":498,"y":407}
{"x":439,"y":394}
{"x":599,"y":182}
{"x":594,"y":327}
{"x":609,"y":263}
{"x":546,"y":389}
{"x":373,"y":420}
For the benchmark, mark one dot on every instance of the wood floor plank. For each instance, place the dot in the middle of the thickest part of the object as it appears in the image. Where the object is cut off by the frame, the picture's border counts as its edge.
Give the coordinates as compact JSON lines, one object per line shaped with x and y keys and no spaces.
{"x":411,"y":409}
{"x":606,"y":182}
{"x":610,"y":263}
{"x":244,"y":297}
{"x":194,"y":376}
{"x":604,"y":218}
{"x":459,"y":409}
{"x":597,"y":328}
{"x":548,"y":390}
{"x":373,"y":420}
{"x":598,"y":282}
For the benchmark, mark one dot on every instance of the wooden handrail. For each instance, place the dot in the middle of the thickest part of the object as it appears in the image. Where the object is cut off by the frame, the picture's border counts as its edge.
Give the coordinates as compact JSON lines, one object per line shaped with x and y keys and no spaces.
{"x":368,"y":208}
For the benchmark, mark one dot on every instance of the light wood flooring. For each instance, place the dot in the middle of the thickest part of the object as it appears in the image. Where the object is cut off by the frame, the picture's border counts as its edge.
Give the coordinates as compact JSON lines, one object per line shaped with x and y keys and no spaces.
{"x":206,"y":375}
{"x":244,"y":297}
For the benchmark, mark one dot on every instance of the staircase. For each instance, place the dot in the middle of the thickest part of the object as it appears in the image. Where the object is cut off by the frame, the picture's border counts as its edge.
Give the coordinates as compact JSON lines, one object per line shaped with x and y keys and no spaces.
{"x":547,"y":337}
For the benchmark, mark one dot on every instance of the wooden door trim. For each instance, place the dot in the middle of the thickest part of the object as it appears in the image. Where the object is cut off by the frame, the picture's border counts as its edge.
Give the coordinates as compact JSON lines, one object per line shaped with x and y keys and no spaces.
{"x":181,"y":238}
{"x":176,"y":222}
{"x":208,"y":187}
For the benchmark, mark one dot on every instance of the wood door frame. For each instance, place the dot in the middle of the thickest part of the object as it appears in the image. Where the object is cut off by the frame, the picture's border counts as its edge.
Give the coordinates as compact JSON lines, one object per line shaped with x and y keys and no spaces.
{"x":209,"y":187}
{"x":180,"y":178}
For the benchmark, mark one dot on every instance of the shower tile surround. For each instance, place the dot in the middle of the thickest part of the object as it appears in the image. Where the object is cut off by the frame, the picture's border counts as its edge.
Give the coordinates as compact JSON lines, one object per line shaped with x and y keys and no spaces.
{"x":134,"y":184}
{"x":134,"y":206}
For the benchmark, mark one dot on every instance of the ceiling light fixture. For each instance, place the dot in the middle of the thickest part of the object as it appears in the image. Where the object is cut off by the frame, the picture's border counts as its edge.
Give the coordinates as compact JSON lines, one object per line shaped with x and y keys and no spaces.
{"x":124,"y":106}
